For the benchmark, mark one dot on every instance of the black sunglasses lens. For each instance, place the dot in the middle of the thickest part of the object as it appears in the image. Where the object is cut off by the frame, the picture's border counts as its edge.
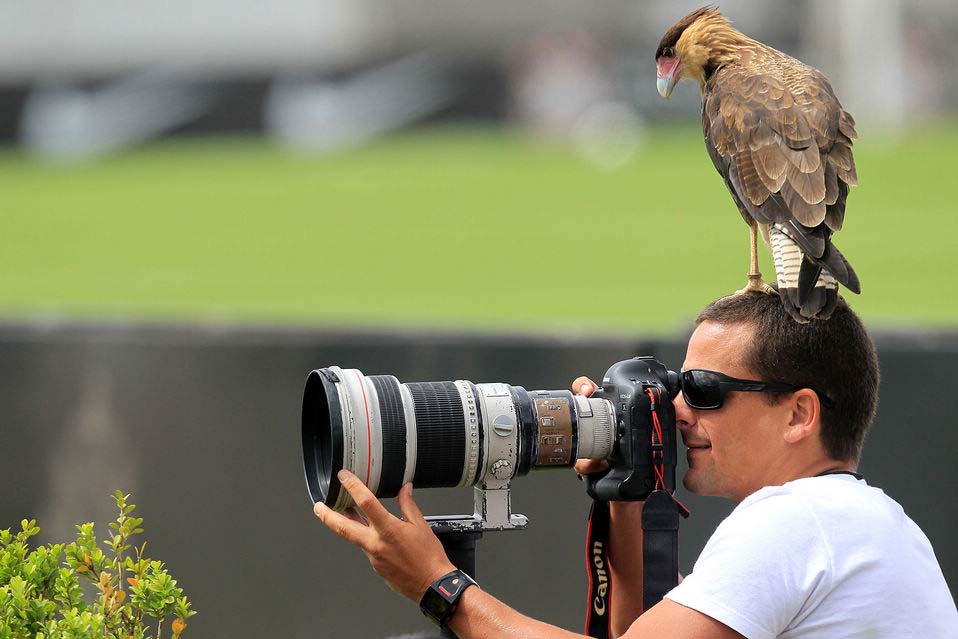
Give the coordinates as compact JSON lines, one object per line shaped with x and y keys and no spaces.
{"x":701,"y":389}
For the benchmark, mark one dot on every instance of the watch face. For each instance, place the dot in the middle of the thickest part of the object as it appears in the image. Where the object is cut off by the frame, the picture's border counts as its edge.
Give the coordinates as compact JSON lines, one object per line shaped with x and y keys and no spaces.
{"x":451,"y":586}
{"x":434,"y":604}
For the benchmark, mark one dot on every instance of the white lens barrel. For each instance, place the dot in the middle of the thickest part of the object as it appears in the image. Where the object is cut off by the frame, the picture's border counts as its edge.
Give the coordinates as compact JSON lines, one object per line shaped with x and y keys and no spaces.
{"x":438,"y":434}
{"x":363,"y":425}
{"x":355,"y":438}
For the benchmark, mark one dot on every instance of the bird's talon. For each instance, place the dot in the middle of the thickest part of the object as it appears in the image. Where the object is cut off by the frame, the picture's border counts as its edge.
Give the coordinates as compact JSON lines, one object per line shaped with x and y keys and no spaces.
{"x":756,"y":285}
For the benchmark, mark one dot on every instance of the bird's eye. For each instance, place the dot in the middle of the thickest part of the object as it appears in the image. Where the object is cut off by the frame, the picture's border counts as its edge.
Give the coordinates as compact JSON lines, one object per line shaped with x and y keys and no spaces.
{"x":668,"y":52}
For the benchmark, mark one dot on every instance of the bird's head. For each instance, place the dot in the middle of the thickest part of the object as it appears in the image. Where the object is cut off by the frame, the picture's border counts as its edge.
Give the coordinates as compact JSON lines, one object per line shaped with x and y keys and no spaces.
{"x":693,"y":48}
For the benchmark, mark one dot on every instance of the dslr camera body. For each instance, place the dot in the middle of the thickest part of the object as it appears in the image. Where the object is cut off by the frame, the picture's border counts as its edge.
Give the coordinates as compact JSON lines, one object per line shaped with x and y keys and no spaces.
{"x":641,"y":390}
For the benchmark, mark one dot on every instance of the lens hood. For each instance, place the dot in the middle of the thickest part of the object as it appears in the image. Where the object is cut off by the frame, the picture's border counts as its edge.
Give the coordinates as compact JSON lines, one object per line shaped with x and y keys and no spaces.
{"x":322,"y":436}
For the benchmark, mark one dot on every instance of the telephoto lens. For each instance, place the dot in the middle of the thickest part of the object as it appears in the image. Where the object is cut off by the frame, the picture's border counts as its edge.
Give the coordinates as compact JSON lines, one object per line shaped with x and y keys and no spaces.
{"x":440,"y":434}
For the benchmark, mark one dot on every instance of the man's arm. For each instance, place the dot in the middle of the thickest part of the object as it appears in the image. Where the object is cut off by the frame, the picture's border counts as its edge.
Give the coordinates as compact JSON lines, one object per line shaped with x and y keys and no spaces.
{"x":482,"y":616}
{"x":625,"y":564}
{"x":625,"y":561}
{"x":625,"y":555}
{"x":407,"y":554}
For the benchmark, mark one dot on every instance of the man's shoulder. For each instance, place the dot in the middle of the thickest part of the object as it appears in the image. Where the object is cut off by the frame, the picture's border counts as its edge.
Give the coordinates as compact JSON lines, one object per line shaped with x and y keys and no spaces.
{"x":766,"y":558}
{"x":771,"y":506}
{"x":773,"y":517}
{"x":804,"y":554}
{"x":814,"y":513}
{"x":836,"y":525}
{"x":821,"y":497}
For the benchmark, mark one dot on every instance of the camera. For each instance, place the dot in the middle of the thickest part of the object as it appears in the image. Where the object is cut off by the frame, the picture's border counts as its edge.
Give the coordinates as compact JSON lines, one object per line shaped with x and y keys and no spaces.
{"x":458,"y":433}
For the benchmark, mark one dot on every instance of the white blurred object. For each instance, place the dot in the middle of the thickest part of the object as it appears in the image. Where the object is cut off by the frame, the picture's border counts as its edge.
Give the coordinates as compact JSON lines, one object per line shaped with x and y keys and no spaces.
{"x":608,"y":134}
{"x":562,"y":89}
{"x":64,"y":123}
{"x":93,"y":455}
{"x":50,"y":40}
{"x":860,"y":46}
{"x":329,"y":116}
{"x":555,"y":78}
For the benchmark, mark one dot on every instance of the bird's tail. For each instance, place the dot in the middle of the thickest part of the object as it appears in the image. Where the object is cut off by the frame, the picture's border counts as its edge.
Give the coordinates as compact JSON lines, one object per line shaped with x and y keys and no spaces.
{"x":809,"y":286}
{"x":834,"y":263}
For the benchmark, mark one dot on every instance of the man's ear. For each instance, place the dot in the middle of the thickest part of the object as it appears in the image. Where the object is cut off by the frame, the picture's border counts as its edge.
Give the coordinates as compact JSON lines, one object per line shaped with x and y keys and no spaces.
{"x":805,"y":418}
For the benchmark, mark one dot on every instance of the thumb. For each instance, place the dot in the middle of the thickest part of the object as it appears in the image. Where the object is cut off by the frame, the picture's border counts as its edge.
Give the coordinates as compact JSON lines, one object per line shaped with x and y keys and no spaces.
{"x":410,"y":511}
{"x":583,"y":386}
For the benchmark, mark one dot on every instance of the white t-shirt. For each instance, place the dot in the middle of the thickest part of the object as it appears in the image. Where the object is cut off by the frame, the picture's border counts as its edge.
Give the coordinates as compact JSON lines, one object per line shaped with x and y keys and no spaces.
{"x":825,"y":556}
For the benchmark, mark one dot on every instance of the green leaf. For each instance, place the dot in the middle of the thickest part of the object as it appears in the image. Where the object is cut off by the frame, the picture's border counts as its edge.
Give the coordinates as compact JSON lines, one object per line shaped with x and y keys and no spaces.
{"x":41,"y":595}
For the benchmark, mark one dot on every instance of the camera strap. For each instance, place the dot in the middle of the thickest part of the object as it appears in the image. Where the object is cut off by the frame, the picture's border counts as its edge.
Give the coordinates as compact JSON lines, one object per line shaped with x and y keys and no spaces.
{"x":597,"y":619}
{"x":660,"y":522}
{"x":660,"y":558}
{"x":660,"y":542}
{"x":660,"y":547}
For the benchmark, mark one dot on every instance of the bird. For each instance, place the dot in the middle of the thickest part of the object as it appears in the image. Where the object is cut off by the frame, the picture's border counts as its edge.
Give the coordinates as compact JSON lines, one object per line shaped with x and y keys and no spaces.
{"x":782,"y":142}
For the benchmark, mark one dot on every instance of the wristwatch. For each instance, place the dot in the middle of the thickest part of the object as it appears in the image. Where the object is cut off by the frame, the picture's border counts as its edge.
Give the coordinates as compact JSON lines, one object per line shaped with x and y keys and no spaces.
{"x":442,"y":598}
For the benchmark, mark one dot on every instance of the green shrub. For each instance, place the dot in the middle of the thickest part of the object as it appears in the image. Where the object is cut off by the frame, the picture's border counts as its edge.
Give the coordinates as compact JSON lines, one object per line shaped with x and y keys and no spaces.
{"x":41,"y":595}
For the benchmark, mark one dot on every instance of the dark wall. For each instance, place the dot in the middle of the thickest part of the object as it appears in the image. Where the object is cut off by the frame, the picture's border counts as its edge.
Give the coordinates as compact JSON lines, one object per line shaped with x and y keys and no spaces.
{"x":202,"y":426}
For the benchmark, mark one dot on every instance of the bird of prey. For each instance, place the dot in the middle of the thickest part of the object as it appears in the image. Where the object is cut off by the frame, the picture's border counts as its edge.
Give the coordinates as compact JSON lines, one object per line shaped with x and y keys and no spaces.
{"x":783,"y":144}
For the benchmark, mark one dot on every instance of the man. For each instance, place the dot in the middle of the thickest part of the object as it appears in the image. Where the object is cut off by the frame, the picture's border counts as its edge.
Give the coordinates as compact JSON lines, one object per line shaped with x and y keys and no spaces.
{"x":810,"y":551}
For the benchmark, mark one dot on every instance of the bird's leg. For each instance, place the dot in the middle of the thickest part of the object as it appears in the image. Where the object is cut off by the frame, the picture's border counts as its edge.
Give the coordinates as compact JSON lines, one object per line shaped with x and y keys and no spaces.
{"x":755,"y":281}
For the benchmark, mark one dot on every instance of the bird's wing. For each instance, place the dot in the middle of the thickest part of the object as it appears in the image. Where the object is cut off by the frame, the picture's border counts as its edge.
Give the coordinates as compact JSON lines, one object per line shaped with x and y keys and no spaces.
{"x":782,"y":142}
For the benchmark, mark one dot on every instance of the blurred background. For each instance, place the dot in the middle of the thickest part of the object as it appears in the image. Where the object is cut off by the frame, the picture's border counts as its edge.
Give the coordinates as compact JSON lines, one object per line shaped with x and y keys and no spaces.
{"x":201,"y":201}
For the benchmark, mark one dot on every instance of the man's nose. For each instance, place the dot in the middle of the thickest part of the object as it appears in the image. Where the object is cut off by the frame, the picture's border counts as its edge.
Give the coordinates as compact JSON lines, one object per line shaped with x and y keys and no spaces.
{"x":684,"y":416}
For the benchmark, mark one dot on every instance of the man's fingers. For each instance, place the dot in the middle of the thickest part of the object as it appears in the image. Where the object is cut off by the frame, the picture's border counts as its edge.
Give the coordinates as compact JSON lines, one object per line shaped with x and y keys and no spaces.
{"x":375,"y":512}
{"x":352,"y":531}
{"x":589,"y":466}
{"x":408,"y":507}
{"x":353,"y":514}
{"x":583,"y":386}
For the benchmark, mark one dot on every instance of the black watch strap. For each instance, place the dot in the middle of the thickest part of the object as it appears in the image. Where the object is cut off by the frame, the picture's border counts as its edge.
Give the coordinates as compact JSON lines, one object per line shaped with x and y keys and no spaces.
{"x":442,"y":598}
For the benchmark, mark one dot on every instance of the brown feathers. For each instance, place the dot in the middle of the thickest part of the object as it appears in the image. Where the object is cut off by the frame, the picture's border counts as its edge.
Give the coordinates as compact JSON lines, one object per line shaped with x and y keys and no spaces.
{"x":777,"y":134}
{"x":707,"y":43}
{"x":671,"y":37}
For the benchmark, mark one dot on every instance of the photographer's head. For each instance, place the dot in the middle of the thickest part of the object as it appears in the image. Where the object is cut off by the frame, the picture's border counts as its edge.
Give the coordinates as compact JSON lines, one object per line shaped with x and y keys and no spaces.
{"x":764,"y":438}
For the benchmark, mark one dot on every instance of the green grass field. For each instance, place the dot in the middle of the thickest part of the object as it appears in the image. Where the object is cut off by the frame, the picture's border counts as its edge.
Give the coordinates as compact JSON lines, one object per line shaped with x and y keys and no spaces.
{"x":473,"y":228}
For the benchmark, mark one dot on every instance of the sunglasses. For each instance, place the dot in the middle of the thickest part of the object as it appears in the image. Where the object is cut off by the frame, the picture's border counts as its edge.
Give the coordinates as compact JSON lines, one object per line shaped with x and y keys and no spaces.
{"x":706,"y":390}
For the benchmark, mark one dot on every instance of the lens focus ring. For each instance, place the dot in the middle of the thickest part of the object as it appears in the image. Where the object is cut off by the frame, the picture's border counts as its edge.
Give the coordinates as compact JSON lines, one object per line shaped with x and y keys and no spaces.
{"x":596,"y":427}
{"x":440,"y":433}
{"x":604,"y":425}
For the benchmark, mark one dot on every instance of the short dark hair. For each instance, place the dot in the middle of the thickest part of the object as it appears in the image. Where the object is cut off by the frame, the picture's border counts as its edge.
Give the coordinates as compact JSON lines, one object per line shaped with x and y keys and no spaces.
{"x":834,"y":356}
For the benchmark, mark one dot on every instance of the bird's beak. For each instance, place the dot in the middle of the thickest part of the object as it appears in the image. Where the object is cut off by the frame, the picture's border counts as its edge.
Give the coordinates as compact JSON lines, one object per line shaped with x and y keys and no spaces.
{"x":667,"y":74}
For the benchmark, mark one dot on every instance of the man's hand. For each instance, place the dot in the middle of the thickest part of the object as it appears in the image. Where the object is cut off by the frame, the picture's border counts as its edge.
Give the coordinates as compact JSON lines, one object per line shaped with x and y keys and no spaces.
{"x":405,"y":552}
